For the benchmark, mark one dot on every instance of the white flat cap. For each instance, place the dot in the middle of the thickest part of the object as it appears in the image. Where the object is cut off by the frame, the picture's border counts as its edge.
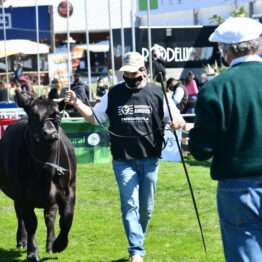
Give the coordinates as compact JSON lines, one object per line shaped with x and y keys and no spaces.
{"x":132,"y":62}
{"x":236,"y":30}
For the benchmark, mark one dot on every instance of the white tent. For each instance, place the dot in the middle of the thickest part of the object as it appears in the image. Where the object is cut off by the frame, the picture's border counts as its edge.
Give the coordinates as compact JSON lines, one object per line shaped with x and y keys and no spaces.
{"x":22,"y":46}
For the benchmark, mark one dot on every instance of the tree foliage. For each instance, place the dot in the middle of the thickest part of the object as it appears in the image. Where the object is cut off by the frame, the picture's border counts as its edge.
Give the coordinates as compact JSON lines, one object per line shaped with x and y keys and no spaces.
{"x":217,"y":19}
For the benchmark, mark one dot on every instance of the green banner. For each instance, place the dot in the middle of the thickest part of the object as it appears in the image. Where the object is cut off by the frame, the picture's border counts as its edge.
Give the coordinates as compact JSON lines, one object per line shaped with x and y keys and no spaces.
{"x":143,"y":5}
{"x":91,"y":143}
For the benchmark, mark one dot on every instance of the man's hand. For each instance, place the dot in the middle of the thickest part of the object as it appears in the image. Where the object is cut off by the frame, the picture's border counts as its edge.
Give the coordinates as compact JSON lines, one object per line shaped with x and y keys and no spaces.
{"x":177,"y":124}
{"x":71,"y":98}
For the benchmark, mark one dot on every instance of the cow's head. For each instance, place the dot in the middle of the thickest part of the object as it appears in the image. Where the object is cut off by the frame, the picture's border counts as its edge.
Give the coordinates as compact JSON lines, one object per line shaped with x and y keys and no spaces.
{"x":43,"y":116}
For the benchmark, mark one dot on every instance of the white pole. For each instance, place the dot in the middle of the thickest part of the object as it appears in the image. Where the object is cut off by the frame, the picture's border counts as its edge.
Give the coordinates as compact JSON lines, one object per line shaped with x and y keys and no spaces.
{"x":149,"y":41}
{"x":133,"y":25}
{"x":88,"y":62}
{"x":111,"y":43}
{"x":122,"y":31}
{"x":37,"y":40}
{"x":68,"y":47}
{"x":6,"y":61}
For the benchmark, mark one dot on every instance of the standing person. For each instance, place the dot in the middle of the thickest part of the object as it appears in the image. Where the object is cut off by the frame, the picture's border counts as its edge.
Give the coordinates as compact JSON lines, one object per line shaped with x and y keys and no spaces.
{"x":136,"y":110}
{"x":179,"y":95}
{"x":158,"y":65}
{"x":192,"y":91}
{"x":101,"y":88}
{"x":80,"y":88}
{"x":3,"y":92}
{"x":228,"y":129}
{"x":18,"y":72}
{"x":111,"y":78}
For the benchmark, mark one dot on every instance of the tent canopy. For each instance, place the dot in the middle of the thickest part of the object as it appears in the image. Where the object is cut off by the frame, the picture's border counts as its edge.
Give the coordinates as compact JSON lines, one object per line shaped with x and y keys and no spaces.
{"x":28,"y":47}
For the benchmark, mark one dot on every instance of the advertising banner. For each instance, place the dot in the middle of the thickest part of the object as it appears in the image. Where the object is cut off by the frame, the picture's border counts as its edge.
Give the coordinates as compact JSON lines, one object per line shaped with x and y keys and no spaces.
{"x":171,"y":152}
{"x":180,"y":47}
{"x":58,"y":67}
{"x":4,"y":123}
{"x":20,"y":23}
{"x":168,"y":6}
{"x":91,"y":143}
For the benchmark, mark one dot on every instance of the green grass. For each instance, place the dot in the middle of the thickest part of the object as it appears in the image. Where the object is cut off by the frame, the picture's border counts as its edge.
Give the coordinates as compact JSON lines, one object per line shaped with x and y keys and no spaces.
{"x":97,"y":233}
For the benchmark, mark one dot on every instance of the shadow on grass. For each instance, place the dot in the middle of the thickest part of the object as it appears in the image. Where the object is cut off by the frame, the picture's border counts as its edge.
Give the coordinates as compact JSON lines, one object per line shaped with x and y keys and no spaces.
{"x":120,"y":260}
{"x":11,"y":255}
{"x":14,"y":255}
{"x":48,"y":258}
{"x":193,"y":162}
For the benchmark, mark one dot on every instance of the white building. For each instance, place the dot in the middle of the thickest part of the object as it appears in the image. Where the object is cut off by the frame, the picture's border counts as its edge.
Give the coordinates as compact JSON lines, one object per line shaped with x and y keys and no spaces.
{"x":165,"y":13}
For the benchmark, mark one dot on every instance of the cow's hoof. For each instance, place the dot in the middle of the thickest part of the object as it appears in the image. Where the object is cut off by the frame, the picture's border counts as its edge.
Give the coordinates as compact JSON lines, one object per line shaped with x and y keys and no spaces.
{"x":32,"y":259}
{"x":49,"y":250}
{"x":60,"y":244}
{"x":21,"y":245}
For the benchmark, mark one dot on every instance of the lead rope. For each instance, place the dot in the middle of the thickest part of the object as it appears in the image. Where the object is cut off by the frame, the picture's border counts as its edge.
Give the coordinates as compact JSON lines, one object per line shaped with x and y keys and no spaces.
{"x":117,"y":135}
{"x":60,"y":170}
{"x":185,"y":169}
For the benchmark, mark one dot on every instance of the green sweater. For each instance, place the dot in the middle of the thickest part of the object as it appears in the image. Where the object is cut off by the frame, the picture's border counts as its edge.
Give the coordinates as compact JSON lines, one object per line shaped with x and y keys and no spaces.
{"x":228,"y":124}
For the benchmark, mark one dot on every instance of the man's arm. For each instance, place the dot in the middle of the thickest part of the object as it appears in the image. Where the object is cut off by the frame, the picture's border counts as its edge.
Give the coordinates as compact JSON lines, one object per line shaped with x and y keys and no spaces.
{"x":85,"y":111}
{"x":178,"y":121}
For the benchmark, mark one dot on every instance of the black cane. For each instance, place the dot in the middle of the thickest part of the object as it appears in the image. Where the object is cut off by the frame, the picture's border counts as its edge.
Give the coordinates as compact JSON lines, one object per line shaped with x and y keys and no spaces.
{"x":184,"y":165}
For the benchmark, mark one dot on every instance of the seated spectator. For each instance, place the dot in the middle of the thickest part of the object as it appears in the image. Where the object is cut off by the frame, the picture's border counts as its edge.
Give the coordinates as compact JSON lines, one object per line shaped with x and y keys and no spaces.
{"x":101,"y":88}
{"x":179,"y":95}
{"x":3,"y":92}
{"x":25,"y":86}
{"x":56,"y":91}
{"x":80,"y":88}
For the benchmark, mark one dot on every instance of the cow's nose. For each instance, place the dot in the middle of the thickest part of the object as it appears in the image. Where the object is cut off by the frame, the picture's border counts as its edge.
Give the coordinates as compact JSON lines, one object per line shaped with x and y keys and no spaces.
{"x":50,"y":134}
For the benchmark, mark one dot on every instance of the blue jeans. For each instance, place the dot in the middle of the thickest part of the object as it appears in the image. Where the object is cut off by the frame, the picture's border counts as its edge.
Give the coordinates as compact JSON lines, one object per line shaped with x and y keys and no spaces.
{"x":191,"y":110}
{"x":137,"y":186}
{"x":240,"y":211}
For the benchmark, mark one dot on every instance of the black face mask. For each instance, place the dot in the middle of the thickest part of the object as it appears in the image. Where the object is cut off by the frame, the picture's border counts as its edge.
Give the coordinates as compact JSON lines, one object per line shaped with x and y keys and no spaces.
{"x":133,"y":82}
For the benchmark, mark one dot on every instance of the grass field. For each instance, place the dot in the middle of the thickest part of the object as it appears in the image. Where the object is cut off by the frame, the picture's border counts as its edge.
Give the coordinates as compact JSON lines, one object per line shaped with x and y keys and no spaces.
{"x":97,"y":234}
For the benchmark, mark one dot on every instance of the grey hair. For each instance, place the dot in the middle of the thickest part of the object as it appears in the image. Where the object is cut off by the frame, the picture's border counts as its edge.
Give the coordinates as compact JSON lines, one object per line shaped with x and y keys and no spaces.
{"x":244,"y":48}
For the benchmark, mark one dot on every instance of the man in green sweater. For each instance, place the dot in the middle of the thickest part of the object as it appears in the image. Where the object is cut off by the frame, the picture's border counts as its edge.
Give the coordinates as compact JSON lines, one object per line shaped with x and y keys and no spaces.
{"x":228,"y":129}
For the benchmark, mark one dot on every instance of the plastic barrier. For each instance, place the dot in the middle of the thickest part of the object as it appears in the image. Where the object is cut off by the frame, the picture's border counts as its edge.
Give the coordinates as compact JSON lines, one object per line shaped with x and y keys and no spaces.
{"x":91,"y":143}
{"x":4,"y":123}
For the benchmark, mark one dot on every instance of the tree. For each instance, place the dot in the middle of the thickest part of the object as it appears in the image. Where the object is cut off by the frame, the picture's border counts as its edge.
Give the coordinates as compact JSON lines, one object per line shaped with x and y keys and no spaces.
{"x":217,"y":19}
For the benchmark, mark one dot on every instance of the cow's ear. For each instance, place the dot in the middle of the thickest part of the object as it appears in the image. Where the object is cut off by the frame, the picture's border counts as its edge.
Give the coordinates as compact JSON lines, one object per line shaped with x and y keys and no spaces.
{"x":22,"y":100}
{"x":61,"y":105}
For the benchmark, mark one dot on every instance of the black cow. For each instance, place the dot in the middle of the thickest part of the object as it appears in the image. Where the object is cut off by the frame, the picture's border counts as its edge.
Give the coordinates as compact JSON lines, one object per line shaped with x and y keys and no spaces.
{"x":37,"y":170}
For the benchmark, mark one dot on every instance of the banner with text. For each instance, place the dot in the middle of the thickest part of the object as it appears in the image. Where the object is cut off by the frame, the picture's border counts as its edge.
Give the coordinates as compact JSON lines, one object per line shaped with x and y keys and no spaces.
{"x":168,"y":6}
{"x":91,"y":143}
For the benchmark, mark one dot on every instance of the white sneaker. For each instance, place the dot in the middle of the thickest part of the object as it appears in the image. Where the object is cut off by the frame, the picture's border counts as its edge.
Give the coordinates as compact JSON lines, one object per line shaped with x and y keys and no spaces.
{"x":136,"y":258}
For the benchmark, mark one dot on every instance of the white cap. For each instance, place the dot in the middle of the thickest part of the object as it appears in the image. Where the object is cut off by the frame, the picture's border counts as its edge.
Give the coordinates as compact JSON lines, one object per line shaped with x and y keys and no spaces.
{"x":236,"y":30}
{"x":132,"y":62}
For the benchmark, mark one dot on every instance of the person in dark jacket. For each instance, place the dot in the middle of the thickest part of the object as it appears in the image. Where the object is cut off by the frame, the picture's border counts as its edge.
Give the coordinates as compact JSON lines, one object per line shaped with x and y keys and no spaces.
{"x":80,"y":88}
{"x":56,"y":91}
{"x":3,"y":92}
{"x":158,"y":66}
{"x":101,"y":88}
{"x":228,"y":130}
{"x":136,"y":111}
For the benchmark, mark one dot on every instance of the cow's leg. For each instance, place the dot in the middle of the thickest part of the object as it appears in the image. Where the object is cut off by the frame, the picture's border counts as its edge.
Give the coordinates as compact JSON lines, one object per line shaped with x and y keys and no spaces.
{"x":66,"y":211}
{"x":50,"y":216}
{"x":30,"y":221}
{"x":21,"y":235}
